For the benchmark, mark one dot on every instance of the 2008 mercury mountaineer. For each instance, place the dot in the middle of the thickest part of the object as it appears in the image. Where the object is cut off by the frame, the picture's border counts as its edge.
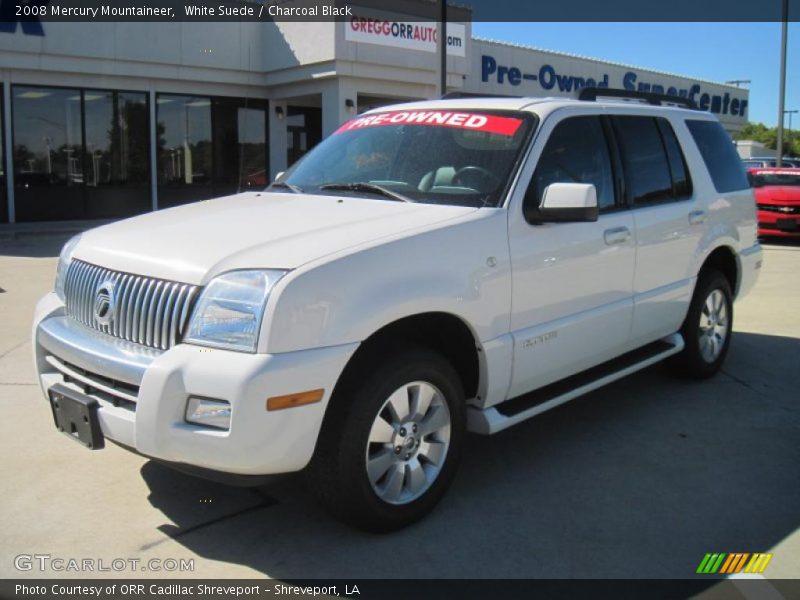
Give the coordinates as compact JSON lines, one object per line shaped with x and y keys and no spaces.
{"x":430,"y":268}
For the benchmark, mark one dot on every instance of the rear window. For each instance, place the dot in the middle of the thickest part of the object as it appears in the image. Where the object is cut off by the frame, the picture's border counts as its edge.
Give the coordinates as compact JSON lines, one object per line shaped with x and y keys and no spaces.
{"x":719,"y":154}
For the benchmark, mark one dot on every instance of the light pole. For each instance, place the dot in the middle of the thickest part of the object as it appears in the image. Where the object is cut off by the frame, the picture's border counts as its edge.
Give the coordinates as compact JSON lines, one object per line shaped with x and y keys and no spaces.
{"x":789,"y":131}
{"x":782,"y":93}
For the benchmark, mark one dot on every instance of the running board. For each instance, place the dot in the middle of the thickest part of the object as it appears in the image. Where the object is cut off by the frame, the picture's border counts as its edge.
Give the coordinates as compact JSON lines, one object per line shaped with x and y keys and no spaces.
{"x":513,"y":411}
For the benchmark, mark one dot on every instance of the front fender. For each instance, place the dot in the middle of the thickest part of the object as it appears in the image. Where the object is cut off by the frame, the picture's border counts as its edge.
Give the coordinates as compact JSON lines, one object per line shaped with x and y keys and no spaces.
{"x":462,"y":268}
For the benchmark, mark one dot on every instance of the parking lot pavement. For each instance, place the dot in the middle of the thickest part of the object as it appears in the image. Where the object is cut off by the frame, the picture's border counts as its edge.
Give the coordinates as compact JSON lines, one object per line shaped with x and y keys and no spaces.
{"x":639,"y":479}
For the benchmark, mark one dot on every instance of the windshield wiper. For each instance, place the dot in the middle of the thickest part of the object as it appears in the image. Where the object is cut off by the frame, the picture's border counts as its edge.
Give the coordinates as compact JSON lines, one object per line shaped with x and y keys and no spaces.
{"x":363,"y":186}
{"x":284,"y":185}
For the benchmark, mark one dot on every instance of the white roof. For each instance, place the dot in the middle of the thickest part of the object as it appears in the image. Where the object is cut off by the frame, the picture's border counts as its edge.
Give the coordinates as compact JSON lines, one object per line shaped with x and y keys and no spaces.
{"x":540,"y":106}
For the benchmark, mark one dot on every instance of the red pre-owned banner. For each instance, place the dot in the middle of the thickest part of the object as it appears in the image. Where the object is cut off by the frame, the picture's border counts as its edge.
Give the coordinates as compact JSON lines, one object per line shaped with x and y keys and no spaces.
{"x":438,"y":118}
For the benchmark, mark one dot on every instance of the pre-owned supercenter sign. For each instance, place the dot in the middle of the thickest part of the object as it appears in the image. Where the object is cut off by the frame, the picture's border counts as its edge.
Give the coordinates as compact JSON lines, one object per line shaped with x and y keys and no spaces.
{"x":411,"y":35}
{"x":558,"y":77}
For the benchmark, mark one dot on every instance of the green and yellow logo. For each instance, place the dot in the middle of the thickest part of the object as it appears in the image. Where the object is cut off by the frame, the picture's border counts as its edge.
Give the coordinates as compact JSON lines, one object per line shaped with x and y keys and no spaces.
{"x":738,"y":562}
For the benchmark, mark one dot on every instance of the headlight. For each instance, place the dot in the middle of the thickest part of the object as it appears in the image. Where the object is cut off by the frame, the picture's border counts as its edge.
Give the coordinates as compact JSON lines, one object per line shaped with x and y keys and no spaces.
{"x":229,"y":312}
{"x":64,"y":260}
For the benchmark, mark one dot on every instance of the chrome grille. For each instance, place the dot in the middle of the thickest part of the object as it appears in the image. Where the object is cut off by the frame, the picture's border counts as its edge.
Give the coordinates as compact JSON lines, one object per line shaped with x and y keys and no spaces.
{"x":147,"y":311}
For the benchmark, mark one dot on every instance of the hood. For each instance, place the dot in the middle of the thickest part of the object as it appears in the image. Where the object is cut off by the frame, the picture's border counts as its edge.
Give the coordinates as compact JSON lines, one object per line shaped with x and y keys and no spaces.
{"x":784,"y":194}
{"x":251,"y":230}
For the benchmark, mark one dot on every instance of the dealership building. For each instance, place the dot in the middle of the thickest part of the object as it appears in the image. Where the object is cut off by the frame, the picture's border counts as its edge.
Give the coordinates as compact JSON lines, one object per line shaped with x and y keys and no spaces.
{"x":106,"y":120}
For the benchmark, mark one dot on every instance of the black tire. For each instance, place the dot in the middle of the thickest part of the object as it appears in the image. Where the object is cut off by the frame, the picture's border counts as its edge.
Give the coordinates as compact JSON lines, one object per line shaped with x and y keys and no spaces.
{"x":690,"y":362}
{"x":337,"y":474}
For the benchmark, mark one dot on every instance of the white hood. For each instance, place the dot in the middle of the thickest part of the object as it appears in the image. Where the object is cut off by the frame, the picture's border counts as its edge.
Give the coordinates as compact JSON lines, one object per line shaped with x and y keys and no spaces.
{"x":251,"y":230}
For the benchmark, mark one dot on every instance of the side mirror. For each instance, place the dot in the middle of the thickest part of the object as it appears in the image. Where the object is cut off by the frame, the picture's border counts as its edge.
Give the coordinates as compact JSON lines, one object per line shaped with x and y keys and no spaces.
{"x":566,"y":202}
{"x":278,"y":175}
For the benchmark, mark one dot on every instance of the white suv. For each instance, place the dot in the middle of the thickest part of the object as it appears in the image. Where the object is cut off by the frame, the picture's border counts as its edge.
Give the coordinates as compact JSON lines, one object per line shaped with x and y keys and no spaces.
{"x":429,"y":269}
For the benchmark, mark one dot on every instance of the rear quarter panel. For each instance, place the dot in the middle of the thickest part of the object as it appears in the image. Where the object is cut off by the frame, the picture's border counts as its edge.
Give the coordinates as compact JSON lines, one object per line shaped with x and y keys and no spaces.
{"x":731,"y":216}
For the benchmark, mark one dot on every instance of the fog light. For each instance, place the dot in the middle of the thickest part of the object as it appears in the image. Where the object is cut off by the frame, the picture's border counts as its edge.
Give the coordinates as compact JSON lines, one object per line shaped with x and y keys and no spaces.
{"x":211,"y":413}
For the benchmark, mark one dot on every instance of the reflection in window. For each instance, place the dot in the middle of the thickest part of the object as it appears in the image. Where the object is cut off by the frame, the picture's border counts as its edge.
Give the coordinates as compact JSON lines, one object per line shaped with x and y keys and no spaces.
{"x":184,"y":143}
{"x":252,"y":123}
{"x":48,"y":153}
{"x":644,"y":159}
{"x":116,"y":147}
{"x":3,"y":200}
{"x":117,"y":163}
{"x":719,"y":154}
{"x":90,"y":145}
{"x":576,"y":152}
{"x":239,"y":145}
{"x":47,"y":136}
{"x":209,"y":147}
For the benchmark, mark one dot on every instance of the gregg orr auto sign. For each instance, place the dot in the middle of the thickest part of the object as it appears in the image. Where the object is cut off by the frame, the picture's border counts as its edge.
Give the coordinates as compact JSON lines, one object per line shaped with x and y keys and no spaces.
{"x":410,"y":35}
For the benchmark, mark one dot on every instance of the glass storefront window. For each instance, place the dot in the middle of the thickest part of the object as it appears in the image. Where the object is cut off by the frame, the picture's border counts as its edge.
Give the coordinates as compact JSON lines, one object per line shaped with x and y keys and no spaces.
{"x":253,"y":147}
{"x":184,"y":149}
{"x":79,"y":154}
{"x":209,"y":147}
{"x":3,"y":198}
{"x":117,"y":161}
{"x":85,"y":153}
{"x":240,"y":145}
{"x":48,"y":153}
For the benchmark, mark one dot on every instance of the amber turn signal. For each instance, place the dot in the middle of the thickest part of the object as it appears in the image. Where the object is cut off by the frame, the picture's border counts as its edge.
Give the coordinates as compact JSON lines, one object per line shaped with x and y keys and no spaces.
{"x":292,"y":400}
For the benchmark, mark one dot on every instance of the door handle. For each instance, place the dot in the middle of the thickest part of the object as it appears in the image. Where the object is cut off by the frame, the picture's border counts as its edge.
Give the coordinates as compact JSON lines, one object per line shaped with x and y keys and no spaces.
{"x":616,"y":235}
{"x":697,"y":217}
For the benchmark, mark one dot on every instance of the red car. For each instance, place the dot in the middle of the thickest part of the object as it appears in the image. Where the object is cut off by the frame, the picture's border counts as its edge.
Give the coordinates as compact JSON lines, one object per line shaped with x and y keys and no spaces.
{"x":778,"y":199}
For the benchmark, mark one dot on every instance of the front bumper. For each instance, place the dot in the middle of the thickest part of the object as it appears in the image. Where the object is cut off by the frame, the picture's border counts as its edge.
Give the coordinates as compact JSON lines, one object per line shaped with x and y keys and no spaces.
{"x":778,"y":224}
{"x":143,"y":394}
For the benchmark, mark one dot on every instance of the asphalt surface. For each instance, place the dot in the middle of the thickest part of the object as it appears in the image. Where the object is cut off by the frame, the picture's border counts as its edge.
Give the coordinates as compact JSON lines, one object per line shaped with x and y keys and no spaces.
{"x":639,"y":479}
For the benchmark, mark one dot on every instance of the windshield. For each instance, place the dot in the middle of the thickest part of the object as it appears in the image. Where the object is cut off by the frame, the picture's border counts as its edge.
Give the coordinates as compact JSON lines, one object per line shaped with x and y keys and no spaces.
{"x":775,"y":178}
{"x":439,"y":157}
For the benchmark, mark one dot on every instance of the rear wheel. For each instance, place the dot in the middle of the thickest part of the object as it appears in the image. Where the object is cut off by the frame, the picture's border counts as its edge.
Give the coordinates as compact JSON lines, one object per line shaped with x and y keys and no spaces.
{"x":390,"y":444}
{"x":707,"y":328}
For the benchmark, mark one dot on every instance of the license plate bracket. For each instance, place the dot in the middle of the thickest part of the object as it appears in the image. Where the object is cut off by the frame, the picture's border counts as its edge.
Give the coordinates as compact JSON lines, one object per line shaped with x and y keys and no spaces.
{"x":76,"y":416}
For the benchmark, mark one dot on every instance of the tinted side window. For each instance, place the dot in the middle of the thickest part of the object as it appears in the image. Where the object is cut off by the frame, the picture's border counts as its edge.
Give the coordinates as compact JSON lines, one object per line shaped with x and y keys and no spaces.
{"x":719,"y":154}
{"x":681,"y":184}
{"x":576,"y":152}
{"x":647,"y":173}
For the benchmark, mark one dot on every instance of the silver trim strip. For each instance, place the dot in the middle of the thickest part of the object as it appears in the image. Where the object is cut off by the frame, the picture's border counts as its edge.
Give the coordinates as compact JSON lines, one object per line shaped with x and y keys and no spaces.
{"x":754,"y":249}
{"x":95,"y":351}
{"x":72,"y":374}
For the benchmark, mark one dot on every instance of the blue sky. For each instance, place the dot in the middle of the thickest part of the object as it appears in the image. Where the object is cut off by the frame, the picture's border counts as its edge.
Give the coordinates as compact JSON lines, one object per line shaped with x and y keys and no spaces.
{"x":714,"y":51}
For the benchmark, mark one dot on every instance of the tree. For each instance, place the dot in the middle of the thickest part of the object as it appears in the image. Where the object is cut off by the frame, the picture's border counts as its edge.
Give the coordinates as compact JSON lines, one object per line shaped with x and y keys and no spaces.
{"x":769,"y":137}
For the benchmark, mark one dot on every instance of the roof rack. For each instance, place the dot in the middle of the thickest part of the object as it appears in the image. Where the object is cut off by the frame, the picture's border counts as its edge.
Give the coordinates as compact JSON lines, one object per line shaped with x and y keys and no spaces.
{"x":593,"y":93}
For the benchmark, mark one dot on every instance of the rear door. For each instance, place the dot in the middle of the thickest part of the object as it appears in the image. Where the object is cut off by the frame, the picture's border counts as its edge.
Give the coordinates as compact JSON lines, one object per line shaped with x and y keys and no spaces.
{"x":668,"y":219}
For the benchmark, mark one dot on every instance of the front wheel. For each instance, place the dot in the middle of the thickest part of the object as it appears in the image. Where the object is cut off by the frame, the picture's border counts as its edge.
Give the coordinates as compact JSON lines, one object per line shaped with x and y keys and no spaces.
{"x":707,"y":328}
{"x":390,"y":444}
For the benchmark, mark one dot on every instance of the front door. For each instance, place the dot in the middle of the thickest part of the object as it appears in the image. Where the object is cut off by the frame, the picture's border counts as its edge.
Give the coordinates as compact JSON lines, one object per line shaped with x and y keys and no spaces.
{"x":572,"y":282}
